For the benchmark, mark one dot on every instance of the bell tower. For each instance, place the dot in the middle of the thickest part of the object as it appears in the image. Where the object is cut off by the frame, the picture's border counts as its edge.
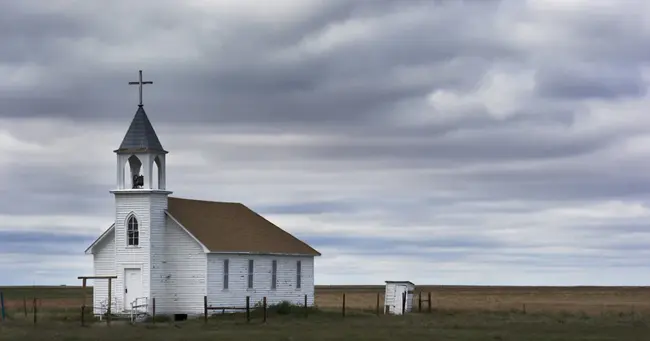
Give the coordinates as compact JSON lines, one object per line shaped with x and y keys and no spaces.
{"x":139,"y":152}
{"x":140,"y":204}
{"x":141,"y":149}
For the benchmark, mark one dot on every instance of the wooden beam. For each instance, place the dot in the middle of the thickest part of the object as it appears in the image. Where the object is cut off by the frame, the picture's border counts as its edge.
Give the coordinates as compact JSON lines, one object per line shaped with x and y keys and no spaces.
{"x":83,"y":303}
{"x":96,"y":277}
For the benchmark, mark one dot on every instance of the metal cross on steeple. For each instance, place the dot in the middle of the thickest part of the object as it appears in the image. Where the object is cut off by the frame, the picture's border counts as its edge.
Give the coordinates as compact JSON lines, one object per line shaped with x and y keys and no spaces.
{"x":140,"y":83}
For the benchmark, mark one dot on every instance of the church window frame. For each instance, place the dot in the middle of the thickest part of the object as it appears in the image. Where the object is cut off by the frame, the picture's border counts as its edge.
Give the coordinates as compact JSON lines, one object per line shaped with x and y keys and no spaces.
{"x":132,"y":231}
{"x":274,"y":274}
{"x":298,"y":274}
{"x":226,"y":273}
{"x":251,"y":272}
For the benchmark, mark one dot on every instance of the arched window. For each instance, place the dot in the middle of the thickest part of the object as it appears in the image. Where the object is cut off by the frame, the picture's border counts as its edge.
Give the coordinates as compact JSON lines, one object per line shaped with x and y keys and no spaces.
{"x":132,"y":235}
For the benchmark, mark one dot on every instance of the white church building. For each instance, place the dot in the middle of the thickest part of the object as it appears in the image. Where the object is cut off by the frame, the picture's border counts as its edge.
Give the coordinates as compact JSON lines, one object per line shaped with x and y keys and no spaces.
{"x":179,"y":250}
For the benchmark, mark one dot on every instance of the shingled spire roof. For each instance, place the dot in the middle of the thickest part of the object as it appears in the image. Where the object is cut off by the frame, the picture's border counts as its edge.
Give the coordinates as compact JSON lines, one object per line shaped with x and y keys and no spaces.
{"x":141,"y":137}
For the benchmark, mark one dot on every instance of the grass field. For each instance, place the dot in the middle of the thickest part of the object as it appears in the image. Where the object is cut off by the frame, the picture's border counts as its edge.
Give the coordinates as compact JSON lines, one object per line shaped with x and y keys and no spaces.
{"x":459,"y":313}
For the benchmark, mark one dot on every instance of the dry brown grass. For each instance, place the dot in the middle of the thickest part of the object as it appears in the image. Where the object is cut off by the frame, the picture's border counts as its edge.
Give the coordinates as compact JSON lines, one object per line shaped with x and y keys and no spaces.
{"x":588,"y":300}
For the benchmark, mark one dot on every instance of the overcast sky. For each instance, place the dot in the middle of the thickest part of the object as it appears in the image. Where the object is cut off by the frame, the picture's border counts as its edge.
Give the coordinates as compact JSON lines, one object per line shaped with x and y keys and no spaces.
{"x":442,"y":142}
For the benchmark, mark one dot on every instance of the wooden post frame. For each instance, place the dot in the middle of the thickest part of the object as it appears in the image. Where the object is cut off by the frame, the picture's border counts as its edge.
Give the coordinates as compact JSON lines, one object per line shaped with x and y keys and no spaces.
{"x":306,"y":307}
{"x":2,"y":306}
{"x":248,"y":308}
{"x":83,"y":303}
{"x":264,"y":306}
{"x":205,"y":309}
{"x":377,"y":310}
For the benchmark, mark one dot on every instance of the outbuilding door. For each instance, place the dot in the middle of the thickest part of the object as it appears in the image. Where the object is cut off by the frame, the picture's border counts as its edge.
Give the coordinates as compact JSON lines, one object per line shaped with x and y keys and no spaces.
{"x":399,"y":295}
{"x":132,"y":286}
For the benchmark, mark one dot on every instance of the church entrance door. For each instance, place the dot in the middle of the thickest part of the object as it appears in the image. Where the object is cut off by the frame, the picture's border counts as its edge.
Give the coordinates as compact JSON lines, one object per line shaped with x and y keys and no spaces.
{"x":132,"y":286}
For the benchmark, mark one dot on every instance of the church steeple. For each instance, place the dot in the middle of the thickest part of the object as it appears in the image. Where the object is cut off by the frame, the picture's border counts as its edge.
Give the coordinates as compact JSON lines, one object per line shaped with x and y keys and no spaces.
{"x":141,"y":149}
{"x":141,"y":136}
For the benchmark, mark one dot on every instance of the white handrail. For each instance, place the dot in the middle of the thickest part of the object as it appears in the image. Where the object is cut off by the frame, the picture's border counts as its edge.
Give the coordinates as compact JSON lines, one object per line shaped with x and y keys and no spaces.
{"x":137,"y":304}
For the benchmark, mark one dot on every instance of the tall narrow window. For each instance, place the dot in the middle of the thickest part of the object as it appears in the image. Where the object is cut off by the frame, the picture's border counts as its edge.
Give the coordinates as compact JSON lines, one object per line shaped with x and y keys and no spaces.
{"x":225,"y":273}
{"x":250,"y":274}
{"x":274,"y":274}
{"x":298,"y":273}
{"x":133,"y":236}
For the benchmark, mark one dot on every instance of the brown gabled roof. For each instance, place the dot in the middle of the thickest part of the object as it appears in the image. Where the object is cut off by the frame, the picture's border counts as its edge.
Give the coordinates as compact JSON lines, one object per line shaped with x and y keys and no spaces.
{"x":233,"y":227}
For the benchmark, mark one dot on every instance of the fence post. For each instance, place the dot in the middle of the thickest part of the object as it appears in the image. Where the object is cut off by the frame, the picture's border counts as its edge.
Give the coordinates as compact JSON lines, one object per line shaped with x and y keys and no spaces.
{"x":264,"y":307}
{"x":153,"y":310}
{"x":429,"y":301}
{"x":343,"y":309}
{"x":35,"y":310}
{"x":205,"y":309}
{"x":2,"y":305}
{"x":377,"y":304}
{"x":110,"y":301}
{"x":404,"y":303}
{"x":25,"y":306}
{"x":248,"y":308}
{"x":83,"y":303}
{"x":306,"y":308}
{"x":420,"y":302}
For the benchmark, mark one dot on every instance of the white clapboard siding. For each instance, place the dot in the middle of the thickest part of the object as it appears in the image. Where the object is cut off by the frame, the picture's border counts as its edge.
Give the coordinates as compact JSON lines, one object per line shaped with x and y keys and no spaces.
{"x":237,"y":290}
{"x":104,"y":265}
{"x":148,"y":208}
{"x":156,"y":252}
{"x":179,"y":265}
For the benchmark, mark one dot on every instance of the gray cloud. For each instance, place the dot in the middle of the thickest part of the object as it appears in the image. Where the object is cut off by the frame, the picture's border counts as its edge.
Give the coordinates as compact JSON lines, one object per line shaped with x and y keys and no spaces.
{"x":348,"y":121}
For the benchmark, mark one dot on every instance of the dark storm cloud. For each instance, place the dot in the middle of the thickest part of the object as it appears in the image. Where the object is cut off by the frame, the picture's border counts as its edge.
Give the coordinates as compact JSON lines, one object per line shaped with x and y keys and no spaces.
{"x":52,"y":190}
{"x":438,"y":242}
{"x":245,"y":83}
{"x":561,"y":184}
{"x":577,"y":81}
{"x":305,"y":207}
{"x":31,"y":36}
{"x":9,"y":237}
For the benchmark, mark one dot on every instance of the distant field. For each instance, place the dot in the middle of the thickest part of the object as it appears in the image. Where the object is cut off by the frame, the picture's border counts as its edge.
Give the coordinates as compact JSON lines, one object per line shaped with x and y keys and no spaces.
{"x":589,"y":300}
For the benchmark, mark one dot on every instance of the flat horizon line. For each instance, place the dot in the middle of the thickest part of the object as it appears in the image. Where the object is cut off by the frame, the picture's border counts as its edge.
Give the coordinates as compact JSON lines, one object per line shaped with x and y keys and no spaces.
{"x":383,"y":285}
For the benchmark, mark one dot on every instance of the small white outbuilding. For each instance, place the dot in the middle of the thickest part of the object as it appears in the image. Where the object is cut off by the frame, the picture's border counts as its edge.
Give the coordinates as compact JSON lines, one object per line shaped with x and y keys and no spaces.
{"x":396,"y":293}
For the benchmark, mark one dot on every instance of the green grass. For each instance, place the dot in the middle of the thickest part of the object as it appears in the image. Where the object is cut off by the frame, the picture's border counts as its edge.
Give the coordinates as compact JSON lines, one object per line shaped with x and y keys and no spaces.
{"x":323,"y":325}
